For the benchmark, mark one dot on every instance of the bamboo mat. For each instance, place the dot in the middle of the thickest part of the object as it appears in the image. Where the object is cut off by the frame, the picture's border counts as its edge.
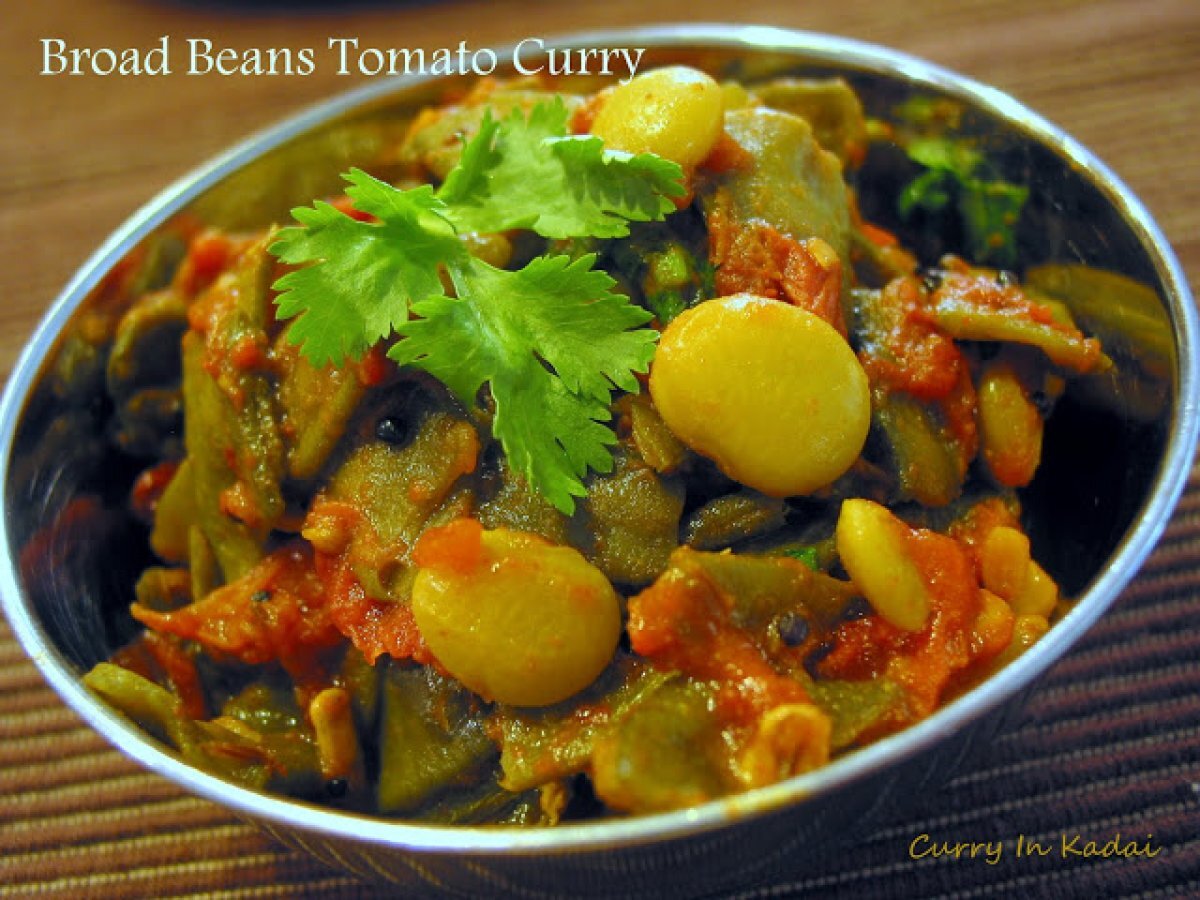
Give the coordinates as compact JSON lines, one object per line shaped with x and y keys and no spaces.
{"x":1108,"y":747}
{"x":1109,"y":742}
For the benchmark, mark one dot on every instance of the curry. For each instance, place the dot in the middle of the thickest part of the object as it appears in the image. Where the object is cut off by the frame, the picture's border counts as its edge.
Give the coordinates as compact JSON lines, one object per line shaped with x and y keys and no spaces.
{"x":602,"y":460}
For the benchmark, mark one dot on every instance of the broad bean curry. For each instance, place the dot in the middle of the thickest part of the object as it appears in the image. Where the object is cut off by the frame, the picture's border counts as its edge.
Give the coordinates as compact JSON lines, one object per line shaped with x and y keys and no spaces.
{"x":601,"y":460}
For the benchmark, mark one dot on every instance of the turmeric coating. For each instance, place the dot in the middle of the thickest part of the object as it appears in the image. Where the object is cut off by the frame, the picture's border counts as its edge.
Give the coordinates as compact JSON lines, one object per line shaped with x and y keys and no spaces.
{"x":808,"y":536}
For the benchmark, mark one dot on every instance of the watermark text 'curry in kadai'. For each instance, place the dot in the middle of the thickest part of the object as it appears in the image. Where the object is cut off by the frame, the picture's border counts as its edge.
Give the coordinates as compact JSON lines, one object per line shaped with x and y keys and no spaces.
{"x":1067,"y":845}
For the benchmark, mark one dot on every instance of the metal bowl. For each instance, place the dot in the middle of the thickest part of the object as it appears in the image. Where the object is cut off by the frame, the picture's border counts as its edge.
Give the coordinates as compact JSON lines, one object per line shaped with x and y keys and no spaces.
{"x":1101,"y":501}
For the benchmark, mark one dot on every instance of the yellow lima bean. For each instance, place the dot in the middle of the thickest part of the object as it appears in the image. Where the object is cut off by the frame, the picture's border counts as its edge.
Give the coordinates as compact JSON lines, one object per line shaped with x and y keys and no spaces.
{"x":1038,"y":595}
{"x":513,"y":617}
{"x":871,"y":545}
{"x":1010,"y":427}
{"x":676,"y":112}
{"x":1028,"y":629}
{"x":768,"y":391}
{"x":1007,"y":569}
{"x":332,"y":718}
{"x":1004,"y":561}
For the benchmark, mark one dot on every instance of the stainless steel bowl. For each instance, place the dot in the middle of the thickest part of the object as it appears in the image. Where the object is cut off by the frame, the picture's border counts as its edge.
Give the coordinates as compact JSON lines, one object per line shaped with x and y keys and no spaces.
{"x":1101,"y":510}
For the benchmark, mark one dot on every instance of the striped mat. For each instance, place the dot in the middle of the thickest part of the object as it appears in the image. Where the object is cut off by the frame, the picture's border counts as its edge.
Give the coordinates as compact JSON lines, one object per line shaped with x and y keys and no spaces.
{"x":1101,"y":773}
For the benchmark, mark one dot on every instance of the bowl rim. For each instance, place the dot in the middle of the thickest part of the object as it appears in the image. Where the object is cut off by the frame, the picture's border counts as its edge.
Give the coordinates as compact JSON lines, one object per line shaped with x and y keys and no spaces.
{"x":605,"y":834}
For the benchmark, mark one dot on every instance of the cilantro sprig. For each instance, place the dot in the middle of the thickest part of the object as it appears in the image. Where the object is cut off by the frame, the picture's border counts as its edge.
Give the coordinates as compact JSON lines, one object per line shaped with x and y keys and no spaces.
{"x":552,"y":340}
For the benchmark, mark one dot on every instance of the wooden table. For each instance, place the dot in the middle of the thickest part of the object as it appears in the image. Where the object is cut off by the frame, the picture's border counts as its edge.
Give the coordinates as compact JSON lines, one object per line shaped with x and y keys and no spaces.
{"x":80,"y":153}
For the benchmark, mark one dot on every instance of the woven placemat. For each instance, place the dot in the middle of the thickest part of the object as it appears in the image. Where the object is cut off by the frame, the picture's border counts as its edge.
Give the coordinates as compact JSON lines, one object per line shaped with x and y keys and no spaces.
{"x":1101,"y":773}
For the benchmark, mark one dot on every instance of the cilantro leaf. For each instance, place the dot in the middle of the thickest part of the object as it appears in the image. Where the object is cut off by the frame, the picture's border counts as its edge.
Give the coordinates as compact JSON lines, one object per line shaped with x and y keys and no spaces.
{"x":552,"y":341}
{"x":990,"y":210}
{"x":367,"y":273}
{"x":957,"y":173}
{"x":530,"y":173}
{"x":550,"y":436}
{"x":806,"y":555}
{"x":944,"y":154}
{"x":930,"y":191}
